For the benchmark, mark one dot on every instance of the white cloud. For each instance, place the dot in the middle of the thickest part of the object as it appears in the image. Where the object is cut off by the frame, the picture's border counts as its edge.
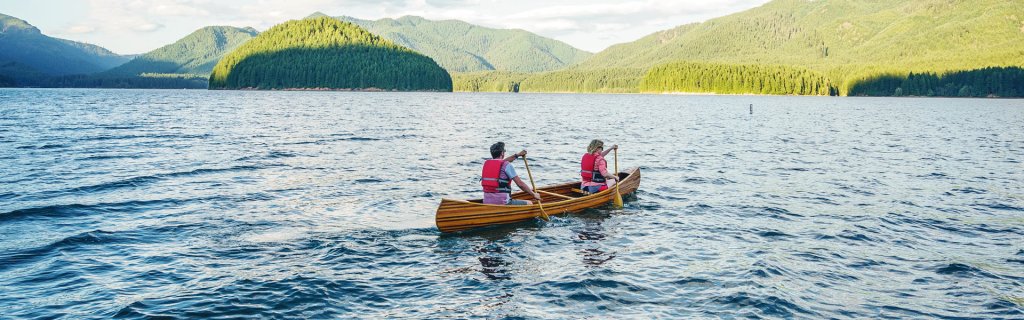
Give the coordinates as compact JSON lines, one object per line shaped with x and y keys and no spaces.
{"x":588,"y":24}
{"x":147,"y":27}
{"x":119,"y":16}
{"x":79,"y":29}
{"x":180,"y":8}
{"x":265,"y":13}
{"x":549,"y":25}
{"x":140,"y":25}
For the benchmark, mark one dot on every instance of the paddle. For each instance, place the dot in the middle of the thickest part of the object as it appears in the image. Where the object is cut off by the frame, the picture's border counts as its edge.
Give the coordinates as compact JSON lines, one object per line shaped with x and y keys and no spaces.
{"x":543,"y":215}
{"x":618,"y":196}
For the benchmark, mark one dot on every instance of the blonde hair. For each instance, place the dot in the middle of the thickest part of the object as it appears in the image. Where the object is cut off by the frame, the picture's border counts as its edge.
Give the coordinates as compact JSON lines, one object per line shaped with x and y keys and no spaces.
{"x":594,"y":145}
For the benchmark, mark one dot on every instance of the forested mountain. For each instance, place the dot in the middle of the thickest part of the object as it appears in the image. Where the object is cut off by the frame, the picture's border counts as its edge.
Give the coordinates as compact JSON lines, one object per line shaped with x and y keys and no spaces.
{"x":326,"y":53}
{"x":851,"y":42}
{"x":195,"y":54}
{"x":28,"y":56}
{"x":462,"y":47}
{"x":916,"y":34}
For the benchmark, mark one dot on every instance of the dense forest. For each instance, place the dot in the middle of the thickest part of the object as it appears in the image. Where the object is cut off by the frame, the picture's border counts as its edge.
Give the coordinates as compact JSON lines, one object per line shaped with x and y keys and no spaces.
{"x":497,"y":81}
{"x":572,"y":80}
{"x":986,"y":82}
{"x":735,"y":79}
{"x":326,"y":53}
{"x":575,"y":80}
{"x":145,"y":81}
{"x":462,"y":47}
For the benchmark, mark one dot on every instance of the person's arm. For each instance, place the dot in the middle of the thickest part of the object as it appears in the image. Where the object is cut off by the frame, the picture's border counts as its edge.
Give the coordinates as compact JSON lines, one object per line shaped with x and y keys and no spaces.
{"x":517,"y":155}
{"x":606,"y":152}
{"x":602,"y":166}
{"x":522,"y":186}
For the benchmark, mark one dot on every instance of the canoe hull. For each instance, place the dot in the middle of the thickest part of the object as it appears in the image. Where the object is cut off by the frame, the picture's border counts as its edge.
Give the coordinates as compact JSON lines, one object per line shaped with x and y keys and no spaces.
{"x":457,"y":215}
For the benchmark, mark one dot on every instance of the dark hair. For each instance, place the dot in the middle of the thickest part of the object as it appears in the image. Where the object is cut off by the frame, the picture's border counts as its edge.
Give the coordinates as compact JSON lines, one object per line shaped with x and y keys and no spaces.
{"x":497,"y":149}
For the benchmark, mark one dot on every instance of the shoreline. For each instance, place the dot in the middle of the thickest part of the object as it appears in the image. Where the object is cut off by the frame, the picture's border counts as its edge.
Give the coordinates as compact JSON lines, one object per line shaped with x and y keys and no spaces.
{"x":320,"y":89}
{"x":505,"y":92}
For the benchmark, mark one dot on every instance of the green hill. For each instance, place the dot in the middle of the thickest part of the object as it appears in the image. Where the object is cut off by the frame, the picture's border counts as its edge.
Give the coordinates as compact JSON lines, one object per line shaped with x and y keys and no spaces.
{"x":849,"y":41}
{"x":195,"y":54}
{"x":28,"y":56}
{"x":462,"y":47}
{"x":921,"y":34}
{"x":326,"y":53}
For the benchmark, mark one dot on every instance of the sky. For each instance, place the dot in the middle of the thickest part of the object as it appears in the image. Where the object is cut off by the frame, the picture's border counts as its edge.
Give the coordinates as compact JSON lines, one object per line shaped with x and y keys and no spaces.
{"x":138,"y":26}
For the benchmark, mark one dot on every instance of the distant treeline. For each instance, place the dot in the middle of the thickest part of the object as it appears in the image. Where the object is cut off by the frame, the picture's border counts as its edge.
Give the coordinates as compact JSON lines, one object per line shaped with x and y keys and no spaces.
{"x":84,"y":81}
{"x":572,"y":80}
{"x":985,"y":82}
{"x":495,"y":81}
{"x":163,"y":81}
{"x":735,"y":79}
{"x":615,"y":80}
{"x":753,"y":79}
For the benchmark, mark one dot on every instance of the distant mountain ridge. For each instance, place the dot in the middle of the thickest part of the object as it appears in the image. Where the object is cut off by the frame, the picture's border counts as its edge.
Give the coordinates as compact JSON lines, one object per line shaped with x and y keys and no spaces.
{"x":845,"y":47}
{"x":28,"y":55}
{"x":862,"y":48}
{"x":463,"y":47}
{"x":195,"y":54}
{"x":843,"y":38}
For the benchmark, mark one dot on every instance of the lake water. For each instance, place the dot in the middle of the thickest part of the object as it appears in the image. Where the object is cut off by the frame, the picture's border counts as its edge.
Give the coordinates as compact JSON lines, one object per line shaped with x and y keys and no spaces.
{"x":218,"y":204}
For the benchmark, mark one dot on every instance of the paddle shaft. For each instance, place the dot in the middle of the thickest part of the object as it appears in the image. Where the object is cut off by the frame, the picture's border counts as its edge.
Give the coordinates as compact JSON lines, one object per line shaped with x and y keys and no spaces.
{"x":554,"y":194}
{"x":534,"y":187}
{"x":618,"y":196}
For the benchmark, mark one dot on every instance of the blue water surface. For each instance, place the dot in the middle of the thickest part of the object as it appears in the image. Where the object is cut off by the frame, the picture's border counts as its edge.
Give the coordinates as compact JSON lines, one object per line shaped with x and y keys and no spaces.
{"x":224,"y":204}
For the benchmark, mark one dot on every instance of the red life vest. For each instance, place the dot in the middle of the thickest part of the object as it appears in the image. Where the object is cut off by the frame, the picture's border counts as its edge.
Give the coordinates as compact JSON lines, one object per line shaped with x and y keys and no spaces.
{"x":493,"y":177}
{"x":588,"y":169}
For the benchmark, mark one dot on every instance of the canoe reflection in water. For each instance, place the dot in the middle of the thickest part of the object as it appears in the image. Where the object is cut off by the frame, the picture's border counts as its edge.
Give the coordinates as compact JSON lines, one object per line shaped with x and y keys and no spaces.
{"x":591,"y":234}
{"x":492,"y":262}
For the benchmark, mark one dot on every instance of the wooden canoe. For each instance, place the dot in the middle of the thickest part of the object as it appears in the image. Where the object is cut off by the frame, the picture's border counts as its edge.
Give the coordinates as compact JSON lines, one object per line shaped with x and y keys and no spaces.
{"x":457,"y":215}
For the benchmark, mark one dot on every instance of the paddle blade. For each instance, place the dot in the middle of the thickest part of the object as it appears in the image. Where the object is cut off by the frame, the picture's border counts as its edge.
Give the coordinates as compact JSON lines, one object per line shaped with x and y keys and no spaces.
{"x":544,"y":216}
{"x":618,"y":200}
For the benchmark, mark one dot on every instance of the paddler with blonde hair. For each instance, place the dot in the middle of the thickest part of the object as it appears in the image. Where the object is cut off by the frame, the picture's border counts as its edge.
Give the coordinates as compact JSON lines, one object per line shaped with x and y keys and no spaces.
{"x":594,"y":168}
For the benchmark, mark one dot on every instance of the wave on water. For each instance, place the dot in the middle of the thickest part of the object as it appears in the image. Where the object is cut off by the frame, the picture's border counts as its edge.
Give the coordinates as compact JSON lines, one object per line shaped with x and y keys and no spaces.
{"x":963,"y":270}
{"x":76,"y":209}
{"x":140,"y":181}
{"x":16,"y":258}
{"x":227,"y":204}
{"x":750,"y":305}
{"x":170,"y":137}
{"x":47,"y":146}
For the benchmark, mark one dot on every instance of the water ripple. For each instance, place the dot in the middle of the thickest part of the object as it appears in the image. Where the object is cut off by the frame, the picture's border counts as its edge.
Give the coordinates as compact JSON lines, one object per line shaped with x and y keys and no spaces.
{"x":198,"y":204}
